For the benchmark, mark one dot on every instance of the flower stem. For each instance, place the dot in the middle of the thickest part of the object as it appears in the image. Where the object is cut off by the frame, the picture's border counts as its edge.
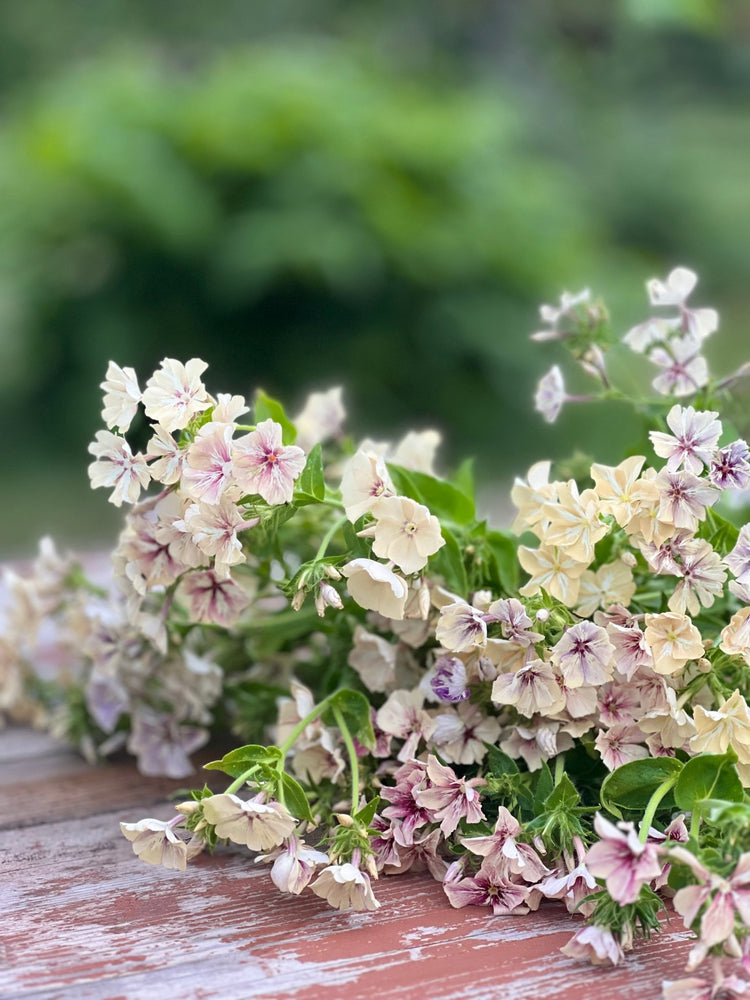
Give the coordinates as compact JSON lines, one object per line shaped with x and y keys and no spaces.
{"x":352,"y":751}
{"x":323,"y":547}
{"x":301,"y":726}
{"x":653,"y":805}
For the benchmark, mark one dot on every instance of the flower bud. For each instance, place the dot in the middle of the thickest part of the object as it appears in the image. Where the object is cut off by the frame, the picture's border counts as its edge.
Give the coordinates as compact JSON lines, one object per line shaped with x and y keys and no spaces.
{"x":629,"y":559}
{"x":187,"y":808}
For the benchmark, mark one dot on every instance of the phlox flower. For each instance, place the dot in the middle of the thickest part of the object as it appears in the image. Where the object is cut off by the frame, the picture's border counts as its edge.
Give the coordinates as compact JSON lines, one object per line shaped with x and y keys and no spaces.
{"x":326,"y":596}
{"x":491,"y":886}
{"x":461,"y":734}
{"x":167,"y":459}
{"x":228,"y":409}
{"x":503,"y":848}
{"x":320,"y":418}
{"x":675,"y":290}
{"x":416,"y":451}
{"x":461,"y":627}
{"x":735,"y":637}
{"x":571,"y":884}
{"x":376,"y":587}
{"x":614,"y":485}
{"x":584,"y":655}
{"x":121,"y":397}
{"x":738,"y":560}
{"x":702,"y":579}
{"x":420,"y":854}
{"x":214,"y":529}
{"x":208,"y":469}
{"x":405,"y":532}
{"x":365,"y":480}
{"x":405,"y":812}
{"x":214,"y":600}
{"x":653,"y":331}
{"x":673,"y":641}
{"x":554,"y":570}
{"x":515,"y":624}
{"x":726,"y":899}
{"x":728,"y":726}
{"x":683,"y":498}
{"x":730,"y":467}
{"x":612,"y":583}
{"x":156,"y":843}
{"x":402,"y":716}
{"x":316,"y":754}
{"x":162,"y":744}
{"x":550,"y":394}
{"x":374,"y":659}
{"x":573,"y":522}
{"x":345,"y":887}
{"x":116,"y":467}
{"x":450,"y":798}
{"x":294,"y":865}
{"x":594,"y":944}
{"x":695,"y":434}
{"x":449,"y":680}
{"x":263,"y":465}
{"x":535,"y":744}
{"x":531,"y":497}
{"x":175,"y":394}
{"x":620,"y":744}
{"x":553,"y":314}
{"x":673,"y":725}
{"x":684,"y":370}
{"x":257,"y":824}
{"x":622,"y":860}
{"x":694,"y":988}
{"x":531,"y":689}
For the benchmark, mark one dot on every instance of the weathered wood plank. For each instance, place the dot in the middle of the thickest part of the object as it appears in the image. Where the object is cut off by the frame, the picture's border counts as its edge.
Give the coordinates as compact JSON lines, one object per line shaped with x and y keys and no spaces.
{"x":90,"y":922}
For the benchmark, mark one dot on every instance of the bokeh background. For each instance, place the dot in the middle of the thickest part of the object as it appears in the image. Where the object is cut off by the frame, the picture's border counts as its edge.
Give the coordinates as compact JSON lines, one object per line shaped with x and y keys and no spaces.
{"x":380,"y":195}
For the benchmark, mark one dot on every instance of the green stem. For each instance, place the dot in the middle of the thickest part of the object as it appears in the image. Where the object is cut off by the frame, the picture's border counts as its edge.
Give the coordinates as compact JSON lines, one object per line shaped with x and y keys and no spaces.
{"x":695,"y":822}
{"x":322,"y":548}
{"x":559,"y":768}
{"x":653,"y":805}
{"x":352,"y":751}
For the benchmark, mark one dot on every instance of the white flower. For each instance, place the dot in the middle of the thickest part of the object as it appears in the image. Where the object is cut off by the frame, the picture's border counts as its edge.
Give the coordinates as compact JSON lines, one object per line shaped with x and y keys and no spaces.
{"x":175,"y":393}
{"x":214,"y":529}
{"x":550,"y":394}
{"x":694,"y":437}
{"x":116,"y":466}
{"x":675,"y":290}
{"x":684,"y":370}
{"x":264,"y":465}
{"x":345,"y":887}
{"x":375,"y":587}
{"x":365,"y":480}
{"x":374,"y":659}
{"x":416,"y":451}
{"x":156,"y":843}
{"x":166,"y":457}
{"x":257,"y":824}
{"x":321,"y":418}
{"x":121,"y":396}
{"x":405,"y":532}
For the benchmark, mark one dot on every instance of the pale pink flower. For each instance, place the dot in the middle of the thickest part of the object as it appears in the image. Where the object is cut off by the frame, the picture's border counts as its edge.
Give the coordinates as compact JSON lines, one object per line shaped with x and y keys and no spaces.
{"x":491,"y":886}
{"x":550,"y":394}
{"x":326,"y":596}
{"x":673,"y":725}
{"x":420,"y":854}
{"x":376,"y":587}
{"x":320,"y":419}
{"x":465,"y":737}
{"x":263,"y":465}
{"x":405,"y":812}
{"x":403,"y":716}
{"x":584,"y":655}
{"x":450,"y":798}
{"x":294,"y":865}
{"x":653,"y":331}
{"x":631,"y":650}
{"x":122,"y":395}
{"x":214,"y":529}
{"x":683,"y":498}
{"x":219,"y":601}
{"x":461,"y":627}
{"x":536,"y":744}
{"x":116,"y":467}
{"x":257,"y":824}
{"x":405,"y":532}
{"x":702,"y":579}
{"x":365,"y":481}
{"x":416,"y":451}
{"x":622,"y":860}
{"x":228,"y":409}
{"x":694,"y":437}
{"x":166,"y":457}
{"x":684,"y":370}
{"x":175,"y":394}
{"x":571,"y":884}
{"x":208,"y":471}
{"x":503,"y":849}
{"x":727,"y":899}
{"x":728,"y":726}
{"x":735,"y":637}
{"x":345,"y":887}
{"x":618,"y":704}
{"x":156,"y":843}
{"x":515,"y":623}
{"x":616,"y":487}
{"x":532,"y":688}
{"x":374,"y":659}
{"x":596,"y":945}
{"x":619,"y":745}
{"x":693,"y":988}
{"x":738,"y":560}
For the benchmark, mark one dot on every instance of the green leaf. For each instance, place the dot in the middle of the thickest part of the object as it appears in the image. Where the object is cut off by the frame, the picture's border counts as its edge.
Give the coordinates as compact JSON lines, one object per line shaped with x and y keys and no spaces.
{"x":366,"y":813}
{"x":443,"y":498}
{"x":563,"y":796}
{"x":311,"y":485}
{"x":498,"y":763}
{"x":294,"y":797}
{"x":721,"y":534}
{"x":242,"y":759}
{"x":267,"y":408}
{"x":449,"y":563}
{"x":504,"y":559}
{"x":708,"y":776}
{"x":355,"y":709}
{"x":544,"y":787}
{"x":631,"y":786}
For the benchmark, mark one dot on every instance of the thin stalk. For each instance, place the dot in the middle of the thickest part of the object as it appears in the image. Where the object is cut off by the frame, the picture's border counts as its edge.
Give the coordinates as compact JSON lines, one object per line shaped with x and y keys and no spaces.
{"x":323,"y":547}
{"x":352,"y":751}
{"x":653,"y":805}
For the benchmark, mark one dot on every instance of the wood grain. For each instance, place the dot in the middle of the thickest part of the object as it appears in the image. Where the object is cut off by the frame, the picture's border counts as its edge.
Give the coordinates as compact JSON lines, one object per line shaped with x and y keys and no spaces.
{"x":83,"y":919}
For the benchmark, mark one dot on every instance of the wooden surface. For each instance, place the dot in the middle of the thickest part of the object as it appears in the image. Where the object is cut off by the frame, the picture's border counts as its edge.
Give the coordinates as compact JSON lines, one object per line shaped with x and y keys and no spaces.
{"x":82,"y":919}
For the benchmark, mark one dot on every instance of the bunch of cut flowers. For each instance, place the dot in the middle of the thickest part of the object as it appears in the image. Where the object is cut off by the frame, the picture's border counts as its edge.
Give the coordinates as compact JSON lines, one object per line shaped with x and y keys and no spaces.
{"x":556,"y":712}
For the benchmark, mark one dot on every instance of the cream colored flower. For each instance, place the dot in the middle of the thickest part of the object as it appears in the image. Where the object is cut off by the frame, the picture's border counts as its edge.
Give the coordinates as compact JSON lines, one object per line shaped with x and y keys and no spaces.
{"x":121,"y":397}
{"x":116,"y":466}
{"x":614,"y":487}
{"x":728,"y":726}
{"x":405,"y":532}
{"x":672,"y":724}
{"x":612,"y":583}
{"x":673,"y":640}
{"x":416,"y":451}
{"x":365,"y":480}
{"x":735,"y":637}
{"x":156,"y":843}
{"x":375,"y":587}
{"x":645,"y":523}
{"x":259,"y":825}
{"x":573,"y":522}
{"x":345,"y":887}
{"x":530,"y":498}
{"x":552,"y":569}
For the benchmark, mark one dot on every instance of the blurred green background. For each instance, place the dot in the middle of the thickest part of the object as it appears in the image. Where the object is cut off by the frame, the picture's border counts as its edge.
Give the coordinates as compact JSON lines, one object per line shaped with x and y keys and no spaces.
{"x":377,"y":195}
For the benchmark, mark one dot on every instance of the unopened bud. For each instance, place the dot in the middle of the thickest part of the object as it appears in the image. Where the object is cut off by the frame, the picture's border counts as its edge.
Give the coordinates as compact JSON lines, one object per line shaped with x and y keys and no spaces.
{"x":542,"y":615}
{"x":344,"y":819}
{"x":327,"y":597}
{"x":331,"y":572}
{"x":187,"y":808}
{"x":298,"y":600}
{"x":704,"y":665}
{"x":629,"y":559}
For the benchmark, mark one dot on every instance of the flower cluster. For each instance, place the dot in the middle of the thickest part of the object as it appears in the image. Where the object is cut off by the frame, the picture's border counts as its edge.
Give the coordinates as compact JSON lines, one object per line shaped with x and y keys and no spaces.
{"x":562,"y":716}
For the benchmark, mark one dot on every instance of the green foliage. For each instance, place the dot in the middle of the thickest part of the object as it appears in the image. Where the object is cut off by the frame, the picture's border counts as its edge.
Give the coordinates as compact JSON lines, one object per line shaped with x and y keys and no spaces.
{"x":311,"y":486}
{"x":355,"y":709}
{"x":708,"y":776}
{"x":271,"y":409}
{"x":237,"y":762}
{"x":629,"y":788}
